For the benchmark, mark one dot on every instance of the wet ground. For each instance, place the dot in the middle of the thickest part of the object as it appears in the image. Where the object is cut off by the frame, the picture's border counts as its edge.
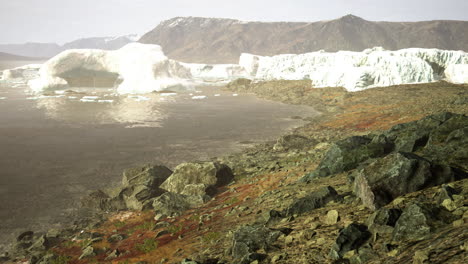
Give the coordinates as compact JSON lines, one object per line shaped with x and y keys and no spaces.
{"x":58,"y":147}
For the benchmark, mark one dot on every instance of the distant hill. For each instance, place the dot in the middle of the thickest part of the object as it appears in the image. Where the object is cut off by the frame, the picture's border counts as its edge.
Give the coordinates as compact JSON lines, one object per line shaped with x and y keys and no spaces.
{"x":12,"y":57}
{"x":48,"y":50}
{"x":217,"y":40}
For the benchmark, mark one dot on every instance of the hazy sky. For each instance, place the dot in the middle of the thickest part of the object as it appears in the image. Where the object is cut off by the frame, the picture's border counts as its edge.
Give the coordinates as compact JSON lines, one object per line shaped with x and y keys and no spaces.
{"x":65,"y":20}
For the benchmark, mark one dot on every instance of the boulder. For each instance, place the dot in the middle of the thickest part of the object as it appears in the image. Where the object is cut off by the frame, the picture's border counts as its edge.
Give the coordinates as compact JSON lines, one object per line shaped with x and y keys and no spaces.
{"x":397,"y":174}
{"x":248,"y":239}
{"x":198,"y":178}
{"x":411,"y":136}
{"x":383,"y":217}
{"x":289,"y":142}
{"x":312,"y":201}
{"x":448,"y":143}
{"x":351,"y":237}
{"x":347,"y":154}
{"x":139,"y":186}
{"x":173,"y":204}
{"x":419,"y":220}
{"x":151,"y":176}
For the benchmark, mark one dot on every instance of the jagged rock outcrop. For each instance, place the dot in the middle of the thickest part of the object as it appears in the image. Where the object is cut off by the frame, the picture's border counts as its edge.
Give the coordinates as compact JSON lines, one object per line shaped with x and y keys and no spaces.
{"x":248,"y":239}
{"x":397,"y":174}
{"x":351,"y":237}
{"x":439,"y":138}
{"x":139,"y":186}
{"x":312,"y":201}
{"x":347,"y":154}
{"x":419,"y":220}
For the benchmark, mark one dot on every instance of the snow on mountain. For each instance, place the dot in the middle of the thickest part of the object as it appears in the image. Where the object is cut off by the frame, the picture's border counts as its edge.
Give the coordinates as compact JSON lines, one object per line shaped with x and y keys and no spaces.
{"x":143,"y":68}
{"x":358,"y":70}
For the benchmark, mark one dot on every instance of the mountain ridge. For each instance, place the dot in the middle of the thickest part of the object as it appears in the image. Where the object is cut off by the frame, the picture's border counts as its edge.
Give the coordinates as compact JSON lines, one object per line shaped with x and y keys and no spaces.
{"x":218,"y":40}
{"x":48,"y":50}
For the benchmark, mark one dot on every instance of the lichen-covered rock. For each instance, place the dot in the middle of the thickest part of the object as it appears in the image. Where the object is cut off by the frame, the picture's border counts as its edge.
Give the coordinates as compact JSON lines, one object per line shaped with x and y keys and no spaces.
{"x":151,"y":176}
{"x":398,"y":174}
{"x":383,"y":217}
{"x":312,"y":201}
{"x":139,"y":185}
{"x":448,"y":143}
{"x":173,"y":204}
{"x":347,"y":154}
{"x":248,"y":239}
{"x":289,"y":142}
{"x":351,"y":237}
{"x":194,"y":178}
{"x":419,"y":220}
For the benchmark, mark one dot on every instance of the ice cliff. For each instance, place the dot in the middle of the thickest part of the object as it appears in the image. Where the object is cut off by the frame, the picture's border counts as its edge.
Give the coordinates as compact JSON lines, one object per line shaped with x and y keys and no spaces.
{"x":142,"y":68}
{"x":360,"y":70}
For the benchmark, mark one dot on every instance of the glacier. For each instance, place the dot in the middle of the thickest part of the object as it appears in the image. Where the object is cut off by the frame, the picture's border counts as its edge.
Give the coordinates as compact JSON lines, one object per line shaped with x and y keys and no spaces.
{"x":142,"y":68}
{"x":360,"y":70}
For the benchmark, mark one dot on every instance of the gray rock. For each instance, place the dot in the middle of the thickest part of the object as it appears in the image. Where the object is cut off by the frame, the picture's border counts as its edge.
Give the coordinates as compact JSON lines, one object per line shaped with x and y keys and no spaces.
{"x":347,"y":154}
{"x":151,"y":176}
{"x":351,"y":237}
{"x":197,"y":178}
{"x":383,"y":217}
{"x":411,"y":136}
{"x":116,"y":238}
{"x":248,"y":239}
{"x":419,"y":220}
{"x":312,"y":201}
{"x":445,"y":192}
{"x":114,"y":254}
{"x":87,"y":253}
{"x":141,"y":184}
{"x":173,"y":204}
{"x":289,"y":142}
{"x":395,"y":175}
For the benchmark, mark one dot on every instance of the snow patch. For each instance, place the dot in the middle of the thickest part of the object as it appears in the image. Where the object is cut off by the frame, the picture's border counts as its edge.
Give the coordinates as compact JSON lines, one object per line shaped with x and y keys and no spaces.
{"x":199,"y":97}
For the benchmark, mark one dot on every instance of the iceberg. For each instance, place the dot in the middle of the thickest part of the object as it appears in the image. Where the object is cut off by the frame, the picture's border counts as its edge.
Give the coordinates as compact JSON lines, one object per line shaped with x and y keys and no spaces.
{"x":27,"y":72}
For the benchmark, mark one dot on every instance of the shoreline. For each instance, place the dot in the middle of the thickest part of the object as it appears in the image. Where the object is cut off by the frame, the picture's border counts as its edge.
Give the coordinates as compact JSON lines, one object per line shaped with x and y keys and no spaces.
{"x":331,"y":125}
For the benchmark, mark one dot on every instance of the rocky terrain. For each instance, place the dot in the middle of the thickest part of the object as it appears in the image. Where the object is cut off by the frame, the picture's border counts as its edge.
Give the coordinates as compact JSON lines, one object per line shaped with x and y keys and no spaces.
{"x":379,"y":177}
{"x":214,"y":40}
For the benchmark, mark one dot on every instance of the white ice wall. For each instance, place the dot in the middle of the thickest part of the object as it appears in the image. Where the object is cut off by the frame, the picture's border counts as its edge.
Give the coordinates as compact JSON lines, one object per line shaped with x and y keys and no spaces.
{"x":358,"y":70}
{"x":144,"y":68}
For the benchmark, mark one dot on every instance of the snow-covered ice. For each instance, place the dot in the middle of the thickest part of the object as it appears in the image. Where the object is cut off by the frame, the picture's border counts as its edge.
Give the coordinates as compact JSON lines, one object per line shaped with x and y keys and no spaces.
{"x":90,"y":97}
{"x":142,"y":68}
{"x":87,"y":100}
{"x":359,"y":70}
{"x":198,"y":97}
{"x":139,"y":98}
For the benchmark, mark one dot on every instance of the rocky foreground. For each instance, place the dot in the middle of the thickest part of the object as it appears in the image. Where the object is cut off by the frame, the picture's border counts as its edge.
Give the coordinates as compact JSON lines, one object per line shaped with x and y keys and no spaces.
{"x":380,"y":177}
